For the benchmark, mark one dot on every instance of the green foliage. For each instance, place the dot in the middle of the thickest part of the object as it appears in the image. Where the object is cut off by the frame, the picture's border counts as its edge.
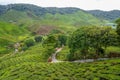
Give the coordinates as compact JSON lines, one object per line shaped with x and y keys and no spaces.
{"x":38,"y":38}
{"x":51,"y":40}
{"x":49,"y":45}
{"x":55,"y":31}
{"x":96,"y":38}
{"x":29,"y":42}
{"x":112,"y":49}
{"x":9,"y":34}
{"x":110,"y":37}
{"x":79,"y":41}
{"x":63,"y":54}
{"x":118,"y":28}
{"x":62,"y":39}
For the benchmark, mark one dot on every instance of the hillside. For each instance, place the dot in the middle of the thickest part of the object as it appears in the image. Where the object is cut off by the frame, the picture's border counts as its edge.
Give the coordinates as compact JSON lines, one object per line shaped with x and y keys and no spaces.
{"x":29,"y":13}
{"x":30,"y":66}
{"x":49,"y":43}
{"x":9,"y":34}
{"x":18,"y":21}
{"x":108,"y":15}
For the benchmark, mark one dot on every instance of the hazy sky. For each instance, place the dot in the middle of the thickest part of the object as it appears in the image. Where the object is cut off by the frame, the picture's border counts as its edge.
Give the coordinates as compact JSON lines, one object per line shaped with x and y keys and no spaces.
{"x":83,"y":4}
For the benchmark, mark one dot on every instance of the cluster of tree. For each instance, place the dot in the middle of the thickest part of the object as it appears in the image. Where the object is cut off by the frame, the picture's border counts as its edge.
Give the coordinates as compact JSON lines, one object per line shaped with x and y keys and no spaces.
{"x":52,"y":42}
{"x":91,"y":42}
{"x":30,"y":42}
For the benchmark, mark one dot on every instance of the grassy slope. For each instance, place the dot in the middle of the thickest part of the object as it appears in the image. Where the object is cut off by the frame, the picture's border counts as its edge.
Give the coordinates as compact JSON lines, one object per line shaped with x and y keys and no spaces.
{"x":26,"y":19}
{"x":79,"y":18}
{"x":62,"y":21}
{"x":17,"y":16}
{"x":10,"y":33}
{"x":66,"y":22}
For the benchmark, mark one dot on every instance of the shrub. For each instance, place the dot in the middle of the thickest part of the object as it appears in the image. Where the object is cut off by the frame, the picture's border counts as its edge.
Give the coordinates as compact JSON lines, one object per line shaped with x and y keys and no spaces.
{"x":38,"y":38}
{"x":29,"y":42}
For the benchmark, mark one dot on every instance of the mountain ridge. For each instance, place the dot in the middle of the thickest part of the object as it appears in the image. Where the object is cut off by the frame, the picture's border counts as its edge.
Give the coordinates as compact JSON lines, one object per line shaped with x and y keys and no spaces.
{"x":38,"y":10}
{"x":108,"y":15}
{"x":75,"y":14}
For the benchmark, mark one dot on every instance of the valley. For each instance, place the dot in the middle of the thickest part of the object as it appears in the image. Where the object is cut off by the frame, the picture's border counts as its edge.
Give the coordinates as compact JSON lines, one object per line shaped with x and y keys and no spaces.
{"x":50,"y":43}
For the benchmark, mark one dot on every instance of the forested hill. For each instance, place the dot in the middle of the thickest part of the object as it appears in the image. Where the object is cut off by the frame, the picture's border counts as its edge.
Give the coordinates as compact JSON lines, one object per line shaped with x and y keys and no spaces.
{"x":36,"y":9}
{"x":73,"y":16}
{"x":108,"y":15}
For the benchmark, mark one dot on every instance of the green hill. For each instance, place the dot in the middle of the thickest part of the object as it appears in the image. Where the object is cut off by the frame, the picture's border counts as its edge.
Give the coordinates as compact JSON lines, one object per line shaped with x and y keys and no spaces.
{"x":9,"y":34}
{"x":56,"y":16}
{"x":22,"y":19}
{"x":77,"y":19}
{"x":42,"y":20}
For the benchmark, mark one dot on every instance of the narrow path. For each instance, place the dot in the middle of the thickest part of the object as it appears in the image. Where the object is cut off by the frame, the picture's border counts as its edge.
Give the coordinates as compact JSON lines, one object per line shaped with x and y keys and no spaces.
{"x":54,"y":56}
{"x":54,"y":60}
{"x":90,"y":60}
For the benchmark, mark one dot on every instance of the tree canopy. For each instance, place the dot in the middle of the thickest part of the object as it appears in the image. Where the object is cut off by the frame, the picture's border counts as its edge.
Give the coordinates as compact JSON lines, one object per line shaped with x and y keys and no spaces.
{"x":96,"y":38}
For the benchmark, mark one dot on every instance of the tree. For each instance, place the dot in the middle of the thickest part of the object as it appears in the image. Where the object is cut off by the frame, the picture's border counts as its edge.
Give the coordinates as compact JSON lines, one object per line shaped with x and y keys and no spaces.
{"x":93,"y":38}
{"x":79,"y":42}
{"x":118,"y":26}
{"x":109,"y":38}
{"x":49,"y":45}
{"x":103,"y":38}
{"x":118,"y":29}
{"x":62,"y":39}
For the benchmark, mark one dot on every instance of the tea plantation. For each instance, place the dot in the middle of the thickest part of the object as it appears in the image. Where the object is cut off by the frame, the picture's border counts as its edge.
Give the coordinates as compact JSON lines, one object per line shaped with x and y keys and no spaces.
{"x":30,"y":67}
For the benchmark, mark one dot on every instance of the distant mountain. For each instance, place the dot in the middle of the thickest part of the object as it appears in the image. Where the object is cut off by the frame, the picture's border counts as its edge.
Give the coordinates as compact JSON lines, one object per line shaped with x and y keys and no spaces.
{"x":36,"y":9}
{"x":108,"y":15}
{"x":27,"y":12}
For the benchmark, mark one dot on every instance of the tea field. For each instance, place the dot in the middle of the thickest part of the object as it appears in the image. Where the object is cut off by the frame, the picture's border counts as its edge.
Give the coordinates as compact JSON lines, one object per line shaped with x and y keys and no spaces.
{"x":34,"y":70}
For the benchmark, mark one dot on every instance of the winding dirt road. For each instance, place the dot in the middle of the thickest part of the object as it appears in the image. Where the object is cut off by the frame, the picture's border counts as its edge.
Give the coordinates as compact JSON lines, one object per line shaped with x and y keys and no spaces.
{"x":54,"y":60}
{"x":54,"y":55}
